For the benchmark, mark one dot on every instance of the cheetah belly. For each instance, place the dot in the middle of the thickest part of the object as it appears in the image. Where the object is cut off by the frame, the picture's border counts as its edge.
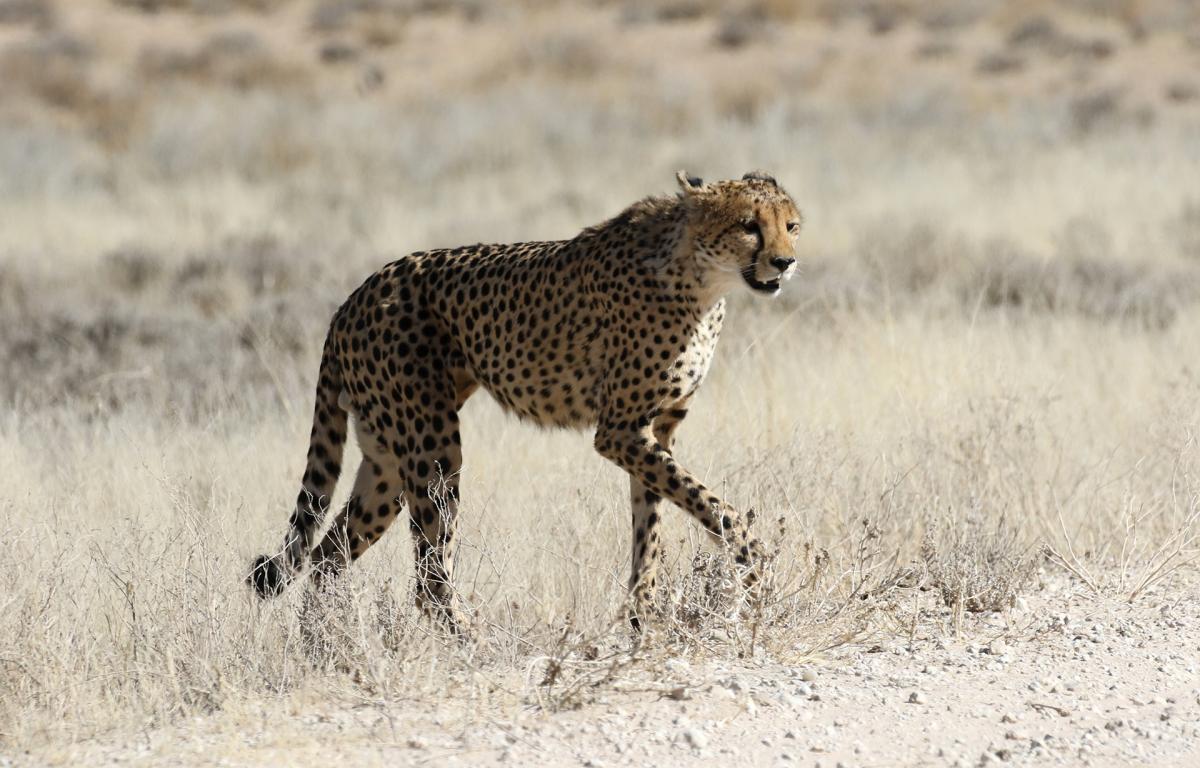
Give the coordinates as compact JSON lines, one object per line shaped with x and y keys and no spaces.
{"x":544,"y":372}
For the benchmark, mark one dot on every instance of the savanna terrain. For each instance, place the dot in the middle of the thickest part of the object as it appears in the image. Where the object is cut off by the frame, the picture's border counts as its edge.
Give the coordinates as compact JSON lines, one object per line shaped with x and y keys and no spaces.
{"x":968,"y":427}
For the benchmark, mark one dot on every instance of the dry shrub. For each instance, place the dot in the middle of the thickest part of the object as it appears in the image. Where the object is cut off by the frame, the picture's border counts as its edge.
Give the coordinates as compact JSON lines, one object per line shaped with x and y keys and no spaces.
{"x":999,"y":63}
{"x":936,"y":50}
{"x":741,"y":29}
{"x":1041,"y":34}
{"x":664,"y":11}
{"x":373,"y":23}
{"x":1105,"y":290}
{"x":977,"y":564}
{"x":234,"y":58}
{"x":1097,"y":110}
{"x":744,"y":101}
{"x":774,"y":11}
{"x":207,"y":7}
{"x":1182,"y":91}
{"x":205,"y":324}
{"x":907,"y":260}
{"x":346,"y":15}
{"x":38,"y":13}
{"x":569,"y":55}
{"x":55,"y":68}
{"x":924,"y":268}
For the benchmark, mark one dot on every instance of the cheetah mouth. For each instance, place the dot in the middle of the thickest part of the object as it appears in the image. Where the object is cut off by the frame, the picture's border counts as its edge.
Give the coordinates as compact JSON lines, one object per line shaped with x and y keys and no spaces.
{"x":761,"y":286}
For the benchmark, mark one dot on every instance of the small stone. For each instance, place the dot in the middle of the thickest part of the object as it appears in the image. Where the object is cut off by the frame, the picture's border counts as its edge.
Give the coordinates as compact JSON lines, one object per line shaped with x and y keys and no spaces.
{"x":677,"y":666}
{"x":721,"y":692}
{"x":416,"y":742}
{"x":916,"y":697}
{"x":679,"y":693}
{"x":696,"y":738}
{"x":808,"y":676}
{"x":1008,"y":717}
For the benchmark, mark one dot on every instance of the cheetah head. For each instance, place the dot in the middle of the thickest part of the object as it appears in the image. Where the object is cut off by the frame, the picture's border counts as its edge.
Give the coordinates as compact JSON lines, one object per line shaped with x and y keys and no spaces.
{"x":743,"y":230}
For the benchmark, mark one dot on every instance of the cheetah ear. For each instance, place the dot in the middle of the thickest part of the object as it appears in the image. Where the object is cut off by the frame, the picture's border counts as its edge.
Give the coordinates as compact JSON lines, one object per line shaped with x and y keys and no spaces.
{"x":689,"y":184}
{"x":761,"y":176}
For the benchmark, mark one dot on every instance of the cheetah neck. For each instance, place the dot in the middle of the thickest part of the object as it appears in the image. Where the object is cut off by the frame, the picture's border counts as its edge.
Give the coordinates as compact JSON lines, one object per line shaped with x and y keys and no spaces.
{"x":699,"y":273}
{"x":664,"y":243}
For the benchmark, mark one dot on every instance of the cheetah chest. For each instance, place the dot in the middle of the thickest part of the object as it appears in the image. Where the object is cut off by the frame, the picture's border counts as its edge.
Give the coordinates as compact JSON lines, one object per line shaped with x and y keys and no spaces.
{"x":690,"y":367}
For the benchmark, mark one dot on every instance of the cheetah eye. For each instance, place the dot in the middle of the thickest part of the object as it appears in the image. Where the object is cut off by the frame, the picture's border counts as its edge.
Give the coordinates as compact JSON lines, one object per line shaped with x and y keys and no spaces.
{"x":792,"y":226}
{"x":750,"y":226}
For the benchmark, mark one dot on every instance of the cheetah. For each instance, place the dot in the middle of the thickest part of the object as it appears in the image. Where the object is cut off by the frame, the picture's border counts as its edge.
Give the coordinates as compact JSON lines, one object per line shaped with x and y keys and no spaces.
{"x":614,"y":328}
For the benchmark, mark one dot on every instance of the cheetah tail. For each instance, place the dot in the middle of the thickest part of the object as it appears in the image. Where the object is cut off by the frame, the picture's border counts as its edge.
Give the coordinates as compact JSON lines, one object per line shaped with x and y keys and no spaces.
{"x":271,"y":573}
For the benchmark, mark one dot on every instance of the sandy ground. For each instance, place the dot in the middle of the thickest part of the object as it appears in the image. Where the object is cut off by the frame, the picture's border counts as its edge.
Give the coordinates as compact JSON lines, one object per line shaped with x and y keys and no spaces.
{"x":1065,"y":678}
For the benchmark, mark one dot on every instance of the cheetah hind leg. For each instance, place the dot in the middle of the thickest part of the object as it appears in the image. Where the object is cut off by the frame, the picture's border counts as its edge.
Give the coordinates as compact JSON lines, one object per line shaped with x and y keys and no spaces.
{"x":646,"y":555}
{"x":430,"y":469}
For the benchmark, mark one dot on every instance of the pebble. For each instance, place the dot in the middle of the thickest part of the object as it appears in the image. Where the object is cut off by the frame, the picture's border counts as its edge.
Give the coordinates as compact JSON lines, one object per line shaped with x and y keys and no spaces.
{"x":808,"y":676}
{"x":916,"y":697}
{"x":722,"y":692}
{"x":696,"y":738}
{"x":677,"y":666}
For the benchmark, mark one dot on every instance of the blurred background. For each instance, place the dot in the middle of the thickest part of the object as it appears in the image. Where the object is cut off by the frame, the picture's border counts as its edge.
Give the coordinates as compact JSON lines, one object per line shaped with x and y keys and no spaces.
{"x":183,"y":178}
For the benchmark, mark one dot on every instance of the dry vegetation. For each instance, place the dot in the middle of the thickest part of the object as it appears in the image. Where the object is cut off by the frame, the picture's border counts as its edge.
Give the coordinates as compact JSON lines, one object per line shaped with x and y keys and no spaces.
{"x":986,"y":372}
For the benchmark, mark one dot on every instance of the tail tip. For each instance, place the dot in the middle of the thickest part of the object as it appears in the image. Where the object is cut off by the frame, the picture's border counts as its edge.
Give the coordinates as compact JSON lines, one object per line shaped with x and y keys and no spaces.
{"x":267,"y":578}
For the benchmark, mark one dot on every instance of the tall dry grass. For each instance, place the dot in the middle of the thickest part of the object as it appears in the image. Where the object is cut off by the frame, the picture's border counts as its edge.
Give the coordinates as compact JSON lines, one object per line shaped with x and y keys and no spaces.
{"x":884,"y":455}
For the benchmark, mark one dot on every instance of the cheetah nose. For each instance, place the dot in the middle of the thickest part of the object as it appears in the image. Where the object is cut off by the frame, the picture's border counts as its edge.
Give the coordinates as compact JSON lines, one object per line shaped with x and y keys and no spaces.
{"x":782,"y":262}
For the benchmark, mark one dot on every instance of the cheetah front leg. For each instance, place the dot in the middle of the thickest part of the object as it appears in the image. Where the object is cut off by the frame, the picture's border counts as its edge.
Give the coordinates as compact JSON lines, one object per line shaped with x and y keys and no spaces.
{"x":647,"y":513}
{"x":621,"y":439}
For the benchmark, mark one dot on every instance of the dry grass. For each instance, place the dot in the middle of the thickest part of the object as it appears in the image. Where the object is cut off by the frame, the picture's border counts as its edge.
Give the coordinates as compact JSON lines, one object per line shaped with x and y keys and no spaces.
{"x":990,"y":350}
